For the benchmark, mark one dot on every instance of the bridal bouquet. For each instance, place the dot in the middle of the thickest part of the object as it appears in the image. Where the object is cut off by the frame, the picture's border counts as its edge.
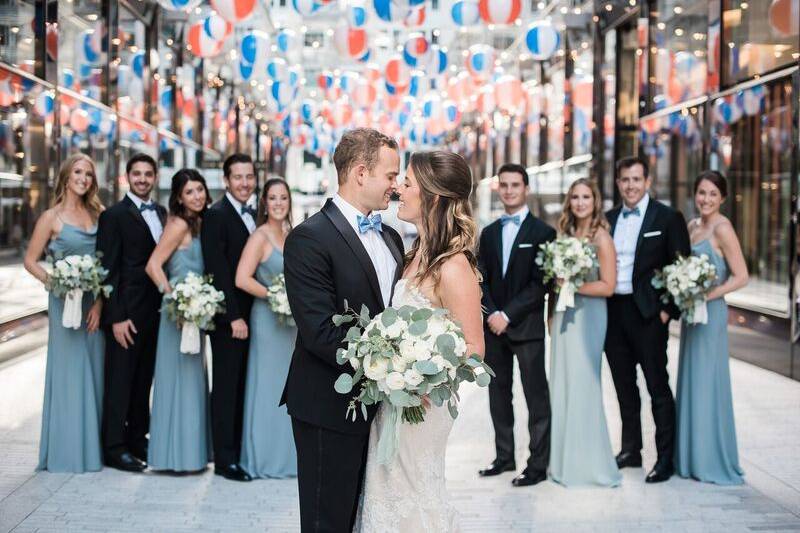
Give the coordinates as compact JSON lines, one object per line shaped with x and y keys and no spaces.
{"x":400,"y":356}
{"x":193,"y":303}
{"x":687,"y":282}
{"x":569,"y":259}
{"x":278,"y":301}
{"x":70,"y":277}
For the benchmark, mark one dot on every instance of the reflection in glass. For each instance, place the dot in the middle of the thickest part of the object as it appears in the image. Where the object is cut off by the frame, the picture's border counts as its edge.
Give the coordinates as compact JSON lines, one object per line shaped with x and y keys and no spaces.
{"x":131,"y":70}
{"x":554,"y":102}
{"x":17,"y":37}
{"x":581,"y":87}
{"x":82,"y":43}
{"x":608,"y":71}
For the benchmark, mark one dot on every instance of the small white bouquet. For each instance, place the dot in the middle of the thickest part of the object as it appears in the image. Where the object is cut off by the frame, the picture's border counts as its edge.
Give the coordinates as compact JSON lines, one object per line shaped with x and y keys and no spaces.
{"x":192,"y":304}
{"x":687,"y":282}
{"x":400,"y":356}
{"x":569,"y":259}
{"x":70,"y":277}
{"x":278,"y":301}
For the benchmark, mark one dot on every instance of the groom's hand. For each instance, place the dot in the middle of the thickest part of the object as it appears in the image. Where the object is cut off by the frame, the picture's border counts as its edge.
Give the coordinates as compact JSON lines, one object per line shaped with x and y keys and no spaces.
{"x":497,"y":323}
{"x":664,"y":317}
{"x":239,"y":329}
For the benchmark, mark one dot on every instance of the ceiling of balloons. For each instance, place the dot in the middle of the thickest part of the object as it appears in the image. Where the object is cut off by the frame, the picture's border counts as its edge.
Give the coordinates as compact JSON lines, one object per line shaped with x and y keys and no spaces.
{"x":415,"y":69}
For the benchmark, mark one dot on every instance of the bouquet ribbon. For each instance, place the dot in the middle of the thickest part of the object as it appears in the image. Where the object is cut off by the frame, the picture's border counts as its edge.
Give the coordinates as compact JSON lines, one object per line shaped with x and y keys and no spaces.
{"x":190,"y":338}
{"x":389,"y":439}
{"x":73,"y":309}
{"x":700,"y":313}
{"x":566,"y":297}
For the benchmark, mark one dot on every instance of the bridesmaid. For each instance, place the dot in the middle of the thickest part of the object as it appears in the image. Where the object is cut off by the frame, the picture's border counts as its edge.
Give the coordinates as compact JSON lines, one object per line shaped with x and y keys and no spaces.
{"x":706,"y":433}
{"x":180,"y":439}
{"x":580,"y":450}
{"x":267,"y":442}
{"x":70,"y":440}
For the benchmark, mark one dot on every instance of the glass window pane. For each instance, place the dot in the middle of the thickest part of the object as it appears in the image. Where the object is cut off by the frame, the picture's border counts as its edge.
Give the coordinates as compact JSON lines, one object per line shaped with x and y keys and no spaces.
{"x":16,"y":34}
{"x":165,"y":78}
{"x":535,"y":100}
{"x":554,"y":98}
{"x":678,"y":51}
{"x":581,"y":86}
{"x":759,"y":36}
{"x":130,"y":71}
{"x":81,"y":47}
{"x":187,"y":100}
{"x":608,"y":71}
{"x":752,"y":146}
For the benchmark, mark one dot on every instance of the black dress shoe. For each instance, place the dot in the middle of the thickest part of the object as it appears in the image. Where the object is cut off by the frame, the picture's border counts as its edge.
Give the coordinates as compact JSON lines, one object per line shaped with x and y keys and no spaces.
{"x":233,"y":472}
{"x":140,"y":452}
{"x":125,"y":461}
{"x":659,"y":473}
{"x":526,"y":479}
{"x":629,"y":459}
{"x":497,"y":467}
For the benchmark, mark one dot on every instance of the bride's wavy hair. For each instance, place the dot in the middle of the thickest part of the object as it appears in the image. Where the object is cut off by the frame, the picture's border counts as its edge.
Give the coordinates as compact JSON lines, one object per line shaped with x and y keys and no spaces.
{"x":445,"y":184}
{"x":567,"y":222}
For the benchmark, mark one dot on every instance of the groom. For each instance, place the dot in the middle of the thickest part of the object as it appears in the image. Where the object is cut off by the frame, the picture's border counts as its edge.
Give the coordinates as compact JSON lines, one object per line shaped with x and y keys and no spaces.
{"x":341,"y":254}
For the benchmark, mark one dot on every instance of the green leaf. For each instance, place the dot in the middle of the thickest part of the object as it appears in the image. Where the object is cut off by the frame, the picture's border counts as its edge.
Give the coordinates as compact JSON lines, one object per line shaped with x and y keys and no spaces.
{"x":338,"y":320}
{"x":344,"y":384}
{"x":353,"y":334}
{"x":364,"y":315}
{"x":451,"y":406}
{"x":418,"y":328}
{"x":445,"y":344}
{"x":388,"y":317}
{"x":364,"y":411}
{"x":400,"y":398}
{"x":483,"y":379}
{"x":488,"y":370}
{"x":422,"y":314}
{"x":406,"y":312}
{"x":426,"y":368}
{"x":341,"y":356}
{"x":473,"y":362}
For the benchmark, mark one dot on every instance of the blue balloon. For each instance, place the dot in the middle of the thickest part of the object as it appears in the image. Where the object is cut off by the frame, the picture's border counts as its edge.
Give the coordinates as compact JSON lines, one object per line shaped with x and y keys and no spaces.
{"x":137,"y":64}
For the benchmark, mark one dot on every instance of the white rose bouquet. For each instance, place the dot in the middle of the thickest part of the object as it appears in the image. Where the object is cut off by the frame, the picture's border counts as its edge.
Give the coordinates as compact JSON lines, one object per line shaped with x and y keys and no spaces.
{"x":401,"y":356}
{"x":192,"y":304}
{"x":70,"y":277}
{"x":278,"y":301}
{"x":687,"y":282}
{"x":569,"y":259}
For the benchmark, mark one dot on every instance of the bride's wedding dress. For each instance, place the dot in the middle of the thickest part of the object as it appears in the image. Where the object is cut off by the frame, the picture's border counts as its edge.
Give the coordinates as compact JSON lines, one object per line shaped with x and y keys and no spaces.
{"x":409,"y":493}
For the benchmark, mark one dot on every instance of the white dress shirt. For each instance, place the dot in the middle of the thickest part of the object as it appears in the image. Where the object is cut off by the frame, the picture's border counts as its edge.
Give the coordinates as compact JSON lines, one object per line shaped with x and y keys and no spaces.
{"x":509,"y":234}
{"x":248,"y":220}
{"x":150,"y":216}
{"x":626,"y":235}
{"x":377,"y":250}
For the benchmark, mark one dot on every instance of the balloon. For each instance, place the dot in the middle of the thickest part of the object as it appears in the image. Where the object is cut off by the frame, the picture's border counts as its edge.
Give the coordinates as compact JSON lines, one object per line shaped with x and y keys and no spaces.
{"x":415,"y":17}
{"x":486,"y":99}
{"x":44,"y":104}
{"x":726,"y":110}
{"x":246,"y":70}
{"x":417,"y":84}
{"x":308,"y":110}
{"x":432,"y":106}
{"x":325,"y":80}
{"x":451,"y":114}
{"x":288,"y":41}
{"x":254,"y":47}
{"x":437,"y":63}
{"x":460,"y":88}
{"x":350,"y":42}
{"x":397,"y":72}
{"x":390,"y":11}
{"x":542,"y":39}
{"x":465,"y":13}
{"x":90,"y":53}
{"x":137,"y":64}
{"x":216,"y":27}
{"x":752,"y":100}
{"x":508,"y":92}
{"x":347,"y":81}
{"x":306,"y":7}
{"x":366,"y":57}
{"x":784,"y":17}
{"x":282,"y":93}
{"x":178,"y":5}
{"x":201,"y":44}
{"x":500,"y":11}
{"x":79,"y":120}
{"x":480,"y":60}
{"x":278,"y":69}
{"x":416,"y":50}
{"x":234,"y":11}
{"x":356,"y":15}
{"x":364,"y":93}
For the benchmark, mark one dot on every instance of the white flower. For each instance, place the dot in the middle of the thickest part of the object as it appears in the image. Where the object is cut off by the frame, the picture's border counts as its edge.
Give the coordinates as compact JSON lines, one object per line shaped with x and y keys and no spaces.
{"x":354,"y":362}
{"x":439,"y":361}
{"x":395,"y":381}
{"x":412,"y":377}
{"x":398,"y":363}
{"x":422,"y":352}
{"x":375,"y":368}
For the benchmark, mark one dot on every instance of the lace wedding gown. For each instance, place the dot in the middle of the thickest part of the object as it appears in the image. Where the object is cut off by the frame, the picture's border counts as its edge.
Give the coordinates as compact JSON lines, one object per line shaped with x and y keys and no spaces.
{"x":409,"y":494}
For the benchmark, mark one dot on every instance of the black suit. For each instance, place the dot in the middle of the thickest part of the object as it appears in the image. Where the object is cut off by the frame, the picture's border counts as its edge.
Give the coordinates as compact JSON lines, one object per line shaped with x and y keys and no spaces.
{"x":520,"y":294}
{"x":636,"y":334}
{"x":223,"y":238}
{"x":325,"y":265}
{"x":126,"y":243}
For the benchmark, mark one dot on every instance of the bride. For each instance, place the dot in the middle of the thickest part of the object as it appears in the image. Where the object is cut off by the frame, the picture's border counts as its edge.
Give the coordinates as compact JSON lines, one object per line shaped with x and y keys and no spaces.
{"x":409,"y":493}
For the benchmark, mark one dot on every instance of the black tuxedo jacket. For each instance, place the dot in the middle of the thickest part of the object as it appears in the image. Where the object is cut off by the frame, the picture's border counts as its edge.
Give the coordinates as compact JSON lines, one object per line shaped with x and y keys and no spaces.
{"x":126,"y":243}
{"x":222,"y":238}
{"x":520,"y":294}
{"x":662,"y":238}
{"x":326,"y":264}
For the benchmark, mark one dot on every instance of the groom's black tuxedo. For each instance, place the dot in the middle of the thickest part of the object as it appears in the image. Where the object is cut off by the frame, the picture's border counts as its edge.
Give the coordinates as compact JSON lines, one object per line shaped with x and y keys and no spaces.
{"x":635,"y":333}
{"x":126,"y":243}
{"x":520,"y":295}
{"x":325,"y":264}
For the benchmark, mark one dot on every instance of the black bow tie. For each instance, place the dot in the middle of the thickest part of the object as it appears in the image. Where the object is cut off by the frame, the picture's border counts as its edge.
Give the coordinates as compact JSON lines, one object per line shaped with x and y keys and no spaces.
{"x":247,"y":209}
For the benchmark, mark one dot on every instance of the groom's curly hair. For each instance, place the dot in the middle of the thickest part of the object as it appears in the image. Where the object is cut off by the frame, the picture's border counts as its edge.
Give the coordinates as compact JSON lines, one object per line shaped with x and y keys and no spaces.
{"x":359,"y":146}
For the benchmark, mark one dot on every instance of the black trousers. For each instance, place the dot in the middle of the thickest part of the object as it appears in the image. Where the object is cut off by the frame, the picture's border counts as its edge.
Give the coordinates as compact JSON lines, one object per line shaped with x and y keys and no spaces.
{"x":330,"y":474}
{"x":500,"y":353}
{"x":126,"y":397}
{"x":631,"y":340}
{"x":229,"y":374}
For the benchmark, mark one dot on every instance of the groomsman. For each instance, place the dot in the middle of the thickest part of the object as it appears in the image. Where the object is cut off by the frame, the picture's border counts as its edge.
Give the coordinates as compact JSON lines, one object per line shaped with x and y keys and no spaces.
{"x":513,"y":299}
{"x":226,"y":227}
{"x":648,"y":236}
{"x":127,"y":233}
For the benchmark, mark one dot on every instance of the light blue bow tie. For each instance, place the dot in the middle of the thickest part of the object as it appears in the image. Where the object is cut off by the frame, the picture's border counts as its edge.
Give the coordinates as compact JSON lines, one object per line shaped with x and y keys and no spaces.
{"x":508,"y":219}
{"x":367,"y":223}
{"x":147,"y":207}
{"x":628,"y":212}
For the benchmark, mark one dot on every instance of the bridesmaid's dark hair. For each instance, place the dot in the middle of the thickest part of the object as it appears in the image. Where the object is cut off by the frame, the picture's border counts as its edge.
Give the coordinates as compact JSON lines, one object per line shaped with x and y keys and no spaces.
{"x":176,"y":208}
{"x":717,"y":178}
{"x":263,"y":214}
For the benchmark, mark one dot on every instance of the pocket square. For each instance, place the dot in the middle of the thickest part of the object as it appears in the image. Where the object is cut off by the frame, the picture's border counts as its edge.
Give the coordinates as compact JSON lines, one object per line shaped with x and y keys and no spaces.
{"x":525,"y":246}
{"x":651,"y":234}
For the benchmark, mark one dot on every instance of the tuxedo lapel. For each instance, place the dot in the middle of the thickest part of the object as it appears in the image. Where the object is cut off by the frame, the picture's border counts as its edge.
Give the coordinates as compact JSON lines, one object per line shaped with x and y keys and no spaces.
{"x":497,"y":234}
{"x":398,"y":257}
{"x":524,"y":230}
{"x":349,"y":235}
{"x":647,"y":223}
{"x":137,"y":215}
{"x":234,"y":214}
{"x":613,"y":216}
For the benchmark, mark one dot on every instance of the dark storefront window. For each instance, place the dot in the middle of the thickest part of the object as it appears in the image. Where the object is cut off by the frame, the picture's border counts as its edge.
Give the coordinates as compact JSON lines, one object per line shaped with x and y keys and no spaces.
{"x":752,"y":141}
{"x":678,"y":51}
{"x":760,"y":36}
{"x":82,"y":48}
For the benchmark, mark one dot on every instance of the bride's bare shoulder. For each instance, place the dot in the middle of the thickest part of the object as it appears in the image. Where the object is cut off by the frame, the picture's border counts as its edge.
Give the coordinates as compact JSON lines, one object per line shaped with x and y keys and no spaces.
{"x":457,"y":273}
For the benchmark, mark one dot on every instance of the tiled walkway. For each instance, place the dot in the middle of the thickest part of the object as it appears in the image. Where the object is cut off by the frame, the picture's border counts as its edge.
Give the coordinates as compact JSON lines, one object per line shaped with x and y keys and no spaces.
{"x":768,"y":423}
